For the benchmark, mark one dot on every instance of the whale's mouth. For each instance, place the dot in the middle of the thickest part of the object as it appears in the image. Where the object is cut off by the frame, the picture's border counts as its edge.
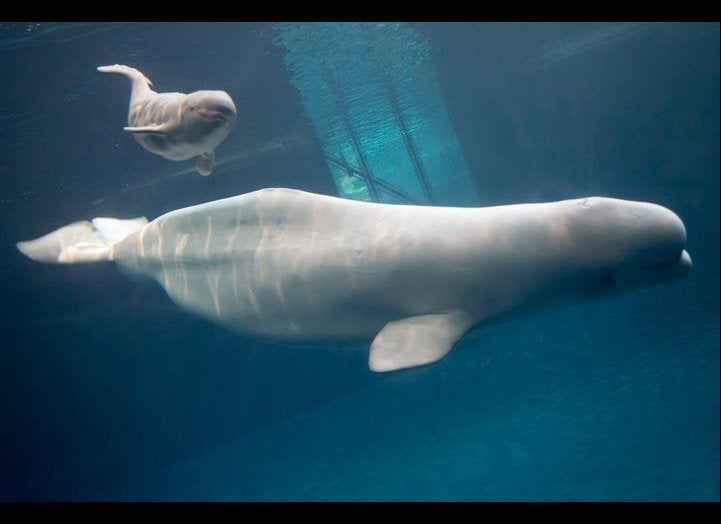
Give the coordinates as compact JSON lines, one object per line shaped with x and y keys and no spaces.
{"x":217,"y":117}
{"x":220,"y":111}
{"x":678,"y":268}
{"x":652,"y":273}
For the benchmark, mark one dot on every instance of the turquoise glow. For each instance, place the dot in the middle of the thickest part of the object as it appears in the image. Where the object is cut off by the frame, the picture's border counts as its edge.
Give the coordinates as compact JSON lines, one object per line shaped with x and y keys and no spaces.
{"x":377,"y":111}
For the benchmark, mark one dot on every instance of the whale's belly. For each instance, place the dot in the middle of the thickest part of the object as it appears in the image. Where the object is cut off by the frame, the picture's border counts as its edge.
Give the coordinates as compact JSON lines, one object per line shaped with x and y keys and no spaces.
{"x":159,"y":109}
{"x":172,"y":149}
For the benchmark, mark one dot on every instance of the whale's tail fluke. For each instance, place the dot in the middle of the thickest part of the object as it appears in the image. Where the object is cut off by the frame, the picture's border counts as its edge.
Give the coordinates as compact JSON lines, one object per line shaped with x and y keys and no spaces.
{"x":141,"y":84}
{"x":81,"y":241}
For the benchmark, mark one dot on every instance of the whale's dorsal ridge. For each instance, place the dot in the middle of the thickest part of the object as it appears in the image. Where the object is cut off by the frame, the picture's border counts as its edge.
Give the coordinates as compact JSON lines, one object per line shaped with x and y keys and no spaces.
{"x":416,"y":341}
{"x":291,"y":209}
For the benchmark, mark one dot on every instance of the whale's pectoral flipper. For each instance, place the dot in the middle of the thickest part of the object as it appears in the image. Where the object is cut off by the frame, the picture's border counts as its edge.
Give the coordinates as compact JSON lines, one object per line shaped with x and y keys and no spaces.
{"x":152,"y":129}
{"x":416,"y":341}
{"x":205,"y":163}
{"x":81,"y":241}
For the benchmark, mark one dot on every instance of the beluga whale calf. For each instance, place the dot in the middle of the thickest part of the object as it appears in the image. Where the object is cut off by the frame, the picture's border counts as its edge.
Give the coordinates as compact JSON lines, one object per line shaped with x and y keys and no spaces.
{"x":177,"y":126}
{"x":288,"y":265}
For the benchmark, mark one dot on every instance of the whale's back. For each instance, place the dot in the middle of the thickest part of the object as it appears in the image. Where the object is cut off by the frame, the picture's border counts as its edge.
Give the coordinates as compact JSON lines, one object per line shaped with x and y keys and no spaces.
{"x":214,"y":231}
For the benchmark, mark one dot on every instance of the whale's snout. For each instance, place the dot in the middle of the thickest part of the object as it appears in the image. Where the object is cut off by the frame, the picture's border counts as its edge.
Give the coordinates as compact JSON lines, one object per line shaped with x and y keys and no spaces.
{"x":659,"y":235}
{"x":632,"y":244}
{"x":210,"y":109}
{"x":659,"y":247}
{"x":219,"y":105}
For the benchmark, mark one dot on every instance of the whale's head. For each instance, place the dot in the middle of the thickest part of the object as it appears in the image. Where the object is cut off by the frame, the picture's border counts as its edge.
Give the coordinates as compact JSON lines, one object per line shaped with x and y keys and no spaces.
{"x":624,"y":244}
{"x":208,"y":116}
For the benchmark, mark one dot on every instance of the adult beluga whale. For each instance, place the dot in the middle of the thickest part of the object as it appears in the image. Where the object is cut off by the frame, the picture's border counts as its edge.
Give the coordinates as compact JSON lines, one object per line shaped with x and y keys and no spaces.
{"x":177,"y":126}
{"x":293,"y":266}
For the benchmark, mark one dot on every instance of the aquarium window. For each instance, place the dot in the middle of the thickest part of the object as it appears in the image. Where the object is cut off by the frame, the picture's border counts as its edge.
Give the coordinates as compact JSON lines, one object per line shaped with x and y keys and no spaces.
{"x":377,"y":111}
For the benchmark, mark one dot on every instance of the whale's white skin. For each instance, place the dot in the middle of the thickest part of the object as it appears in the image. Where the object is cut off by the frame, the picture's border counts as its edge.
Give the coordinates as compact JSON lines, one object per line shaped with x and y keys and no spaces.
{"x":177,"y":126}
{"x":294,"y":266}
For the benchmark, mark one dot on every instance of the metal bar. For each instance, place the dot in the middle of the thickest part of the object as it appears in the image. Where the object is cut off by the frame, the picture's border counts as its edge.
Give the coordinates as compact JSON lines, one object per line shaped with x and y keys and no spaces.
{"x":407,"y":138}
{"x":340,"y":103}
{"x":389,"y":188}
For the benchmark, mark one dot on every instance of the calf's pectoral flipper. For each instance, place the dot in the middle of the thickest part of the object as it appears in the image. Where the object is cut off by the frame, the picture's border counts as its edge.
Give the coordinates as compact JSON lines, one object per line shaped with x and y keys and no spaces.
{"x":152,"y":129}
{"x":204,"y":163}
{"x":416,"y":341}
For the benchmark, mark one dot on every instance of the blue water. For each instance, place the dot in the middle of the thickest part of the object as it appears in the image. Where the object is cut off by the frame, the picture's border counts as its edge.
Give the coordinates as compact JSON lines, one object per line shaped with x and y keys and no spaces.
{"x":108,"y":391}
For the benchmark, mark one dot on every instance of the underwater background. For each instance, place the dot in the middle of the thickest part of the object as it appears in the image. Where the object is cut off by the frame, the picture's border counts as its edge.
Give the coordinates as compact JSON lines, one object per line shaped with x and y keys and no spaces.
{"x":108,"y":391}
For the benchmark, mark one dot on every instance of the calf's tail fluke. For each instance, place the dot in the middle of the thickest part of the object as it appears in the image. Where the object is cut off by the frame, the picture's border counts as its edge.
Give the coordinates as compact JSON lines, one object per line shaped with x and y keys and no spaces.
{"x":81,"y":241}
{"x":138,"y":79}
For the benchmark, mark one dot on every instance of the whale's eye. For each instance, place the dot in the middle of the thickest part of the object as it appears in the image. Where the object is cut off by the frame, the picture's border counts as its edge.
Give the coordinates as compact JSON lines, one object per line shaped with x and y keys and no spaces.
{"x":603,"y":284}
{"x":608,"y":277}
